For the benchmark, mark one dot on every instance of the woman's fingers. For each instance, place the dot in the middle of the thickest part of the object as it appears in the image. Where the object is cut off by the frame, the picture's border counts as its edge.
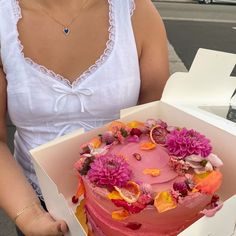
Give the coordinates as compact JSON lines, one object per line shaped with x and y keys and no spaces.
{"x":45,"y":225}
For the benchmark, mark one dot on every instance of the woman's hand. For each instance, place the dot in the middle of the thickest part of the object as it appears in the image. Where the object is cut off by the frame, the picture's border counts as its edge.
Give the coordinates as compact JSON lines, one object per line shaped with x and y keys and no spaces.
{"x":37,"y":222}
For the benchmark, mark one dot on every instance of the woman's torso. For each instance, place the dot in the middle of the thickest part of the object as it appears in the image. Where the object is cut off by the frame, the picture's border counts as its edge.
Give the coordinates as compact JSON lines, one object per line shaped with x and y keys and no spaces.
{"x":55,"y":86}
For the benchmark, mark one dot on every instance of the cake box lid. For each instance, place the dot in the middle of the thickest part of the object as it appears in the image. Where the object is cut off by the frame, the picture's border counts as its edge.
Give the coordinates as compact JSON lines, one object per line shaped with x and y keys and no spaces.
{"x":208,"y":82}
{"x":208,"y":90}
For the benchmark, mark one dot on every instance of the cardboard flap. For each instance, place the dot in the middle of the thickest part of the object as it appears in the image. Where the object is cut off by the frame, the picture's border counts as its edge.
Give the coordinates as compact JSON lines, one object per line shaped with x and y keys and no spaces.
{"x":56,"y":202}
{"x":131,"y":110}
{"x":222,"y":224}
{"x":208,"y":81}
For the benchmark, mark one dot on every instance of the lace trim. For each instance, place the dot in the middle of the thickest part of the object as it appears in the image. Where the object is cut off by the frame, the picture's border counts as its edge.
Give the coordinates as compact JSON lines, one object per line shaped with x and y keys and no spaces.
{"x":103,"y":58}
{"x":132,"y":7}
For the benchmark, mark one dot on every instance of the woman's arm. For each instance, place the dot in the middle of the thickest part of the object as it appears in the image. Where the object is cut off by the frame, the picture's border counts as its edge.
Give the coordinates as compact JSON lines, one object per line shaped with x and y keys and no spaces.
{"x":16,"y":194}
{"x":152,"y":47}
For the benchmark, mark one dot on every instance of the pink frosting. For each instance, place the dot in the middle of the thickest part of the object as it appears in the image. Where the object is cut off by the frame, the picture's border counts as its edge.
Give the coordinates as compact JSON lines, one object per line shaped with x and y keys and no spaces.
{"x":99,"y":207}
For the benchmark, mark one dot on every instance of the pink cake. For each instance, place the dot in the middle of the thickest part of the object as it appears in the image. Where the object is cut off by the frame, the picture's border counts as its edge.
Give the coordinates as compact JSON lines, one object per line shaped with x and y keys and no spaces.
{"x":147,"y":179}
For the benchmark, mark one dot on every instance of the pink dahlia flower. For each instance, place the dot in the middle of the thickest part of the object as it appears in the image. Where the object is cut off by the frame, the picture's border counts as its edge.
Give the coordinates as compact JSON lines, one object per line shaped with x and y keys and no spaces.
{"x":109,"y":171}
{"x":183,"y":143}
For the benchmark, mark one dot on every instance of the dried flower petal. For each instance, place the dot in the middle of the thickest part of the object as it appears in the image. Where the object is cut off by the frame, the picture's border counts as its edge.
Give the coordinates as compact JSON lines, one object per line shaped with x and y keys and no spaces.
{"x":133,"y":139}
{"x":147,"y":145}
{"x":158,"y":134}
{"x":114,"y":195}
{"x":81,"y":215}
{"x":132,"y":208}
{"x":211,"y":183}
{"x":135,"y":124}
{"x":164,"y":202}
{"x":130,"y":193}
{"x":152,"y":172}
{"x":80,"y":189}
{"x":134,"y":225}
{"x":95,"y":142}
{"x":136,"y":131}
{"x":120,"y":214}
{"x":137,"y":156}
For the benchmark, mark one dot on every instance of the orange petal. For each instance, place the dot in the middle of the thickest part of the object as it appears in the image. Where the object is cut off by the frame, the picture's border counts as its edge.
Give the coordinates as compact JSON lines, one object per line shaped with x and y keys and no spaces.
{"x":211,"y":183}
{"x":95,"y":142}
{"x":120,"y":214}
{"x":152,"y":172}
{"x":81,"y":216}
{"x":116,"y":124}
{"x":80,"y":189}
{"x":164,"y":202}
{"x":130,"y":193}
{"x":147,"y":146}
{"x":135,"y":124}
{"x":114,"y":195}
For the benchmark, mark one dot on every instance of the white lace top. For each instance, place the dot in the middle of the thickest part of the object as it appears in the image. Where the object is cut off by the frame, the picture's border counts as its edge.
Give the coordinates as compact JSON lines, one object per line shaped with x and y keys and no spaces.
{"x":43,"y":105}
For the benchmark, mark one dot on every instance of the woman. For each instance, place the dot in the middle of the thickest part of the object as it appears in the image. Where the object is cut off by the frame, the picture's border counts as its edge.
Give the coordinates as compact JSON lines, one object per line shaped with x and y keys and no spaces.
{"x":66,"y":65}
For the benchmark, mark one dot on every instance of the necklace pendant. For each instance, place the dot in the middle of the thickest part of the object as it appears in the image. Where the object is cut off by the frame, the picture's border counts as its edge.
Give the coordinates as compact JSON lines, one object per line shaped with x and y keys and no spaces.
{"x":66,"y":31}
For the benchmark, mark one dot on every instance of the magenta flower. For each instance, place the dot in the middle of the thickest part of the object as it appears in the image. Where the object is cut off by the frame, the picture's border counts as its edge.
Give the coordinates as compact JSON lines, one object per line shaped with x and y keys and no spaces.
{"x":109,"y":171}
{"x":108,"y":137}
{"x":181,"y":187}
{"x":183,"y":143}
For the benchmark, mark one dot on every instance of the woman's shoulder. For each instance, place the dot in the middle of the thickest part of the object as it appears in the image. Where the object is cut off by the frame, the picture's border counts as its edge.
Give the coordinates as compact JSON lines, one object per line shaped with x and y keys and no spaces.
{"x":147,"y":23}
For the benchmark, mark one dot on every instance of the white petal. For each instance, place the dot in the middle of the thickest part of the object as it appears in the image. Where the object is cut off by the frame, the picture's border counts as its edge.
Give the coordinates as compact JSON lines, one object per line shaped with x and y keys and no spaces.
{"x":209,"y":166}
{"x":200,"y":170}
{"x":194,"y":158}
{"x":214,"y":160}
{"x":194,"y":164}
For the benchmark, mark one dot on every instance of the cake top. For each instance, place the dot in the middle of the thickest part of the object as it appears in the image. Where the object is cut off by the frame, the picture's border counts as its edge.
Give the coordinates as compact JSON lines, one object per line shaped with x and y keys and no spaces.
{"x":150,"y":163}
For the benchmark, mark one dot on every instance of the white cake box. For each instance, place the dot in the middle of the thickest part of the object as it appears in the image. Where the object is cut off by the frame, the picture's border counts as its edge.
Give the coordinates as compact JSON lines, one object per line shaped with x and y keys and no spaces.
{"x":183,"y":95}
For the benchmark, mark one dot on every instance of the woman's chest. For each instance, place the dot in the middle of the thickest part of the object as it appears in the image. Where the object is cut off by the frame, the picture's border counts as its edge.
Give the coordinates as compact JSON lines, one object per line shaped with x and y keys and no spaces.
{"x":71,"y":54}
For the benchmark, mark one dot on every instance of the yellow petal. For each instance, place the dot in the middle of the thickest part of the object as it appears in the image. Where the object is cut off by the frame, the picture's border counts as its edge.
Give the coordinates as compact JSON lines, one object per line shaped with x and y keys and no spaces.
{"x":147,"y":146}
{"x":114,"y":195}
{"x":95,"y":142}
{"x":81,"y":216}
{"x":164,"y":202}
{"x":152,"y":172}
{"x":135,"y":124}
{"x":120,"y":214}
{"x":200,"y":177}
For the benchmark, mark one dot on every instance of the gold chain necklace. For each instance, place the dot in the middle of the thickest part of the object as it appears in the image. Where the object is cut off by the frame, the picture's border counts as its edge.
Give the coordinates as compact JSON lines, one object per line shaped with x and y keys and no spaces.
{"x":65,"y":27}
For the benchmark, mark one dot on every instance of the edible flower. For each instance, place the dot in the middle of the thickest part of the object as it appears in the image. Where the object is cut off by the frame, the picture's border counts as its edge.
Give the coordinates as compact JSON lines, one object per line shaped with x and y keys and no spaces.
{"x":210,"y":184}
{"x":204,"y":164}
{"x":132,"y":208}
{"x":133,"y":225}
{"x":81,"y":215}
{"x":114,"y":195}
{"x":152,"y":172}
{"x":120,"y":214}
{"x":183,"y":143}
{"x":135,"y":124}
{"x":164,"y":202}
{"x":109,"y":171}
{"x":147,"y":146}
{"x":130,"y":192}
